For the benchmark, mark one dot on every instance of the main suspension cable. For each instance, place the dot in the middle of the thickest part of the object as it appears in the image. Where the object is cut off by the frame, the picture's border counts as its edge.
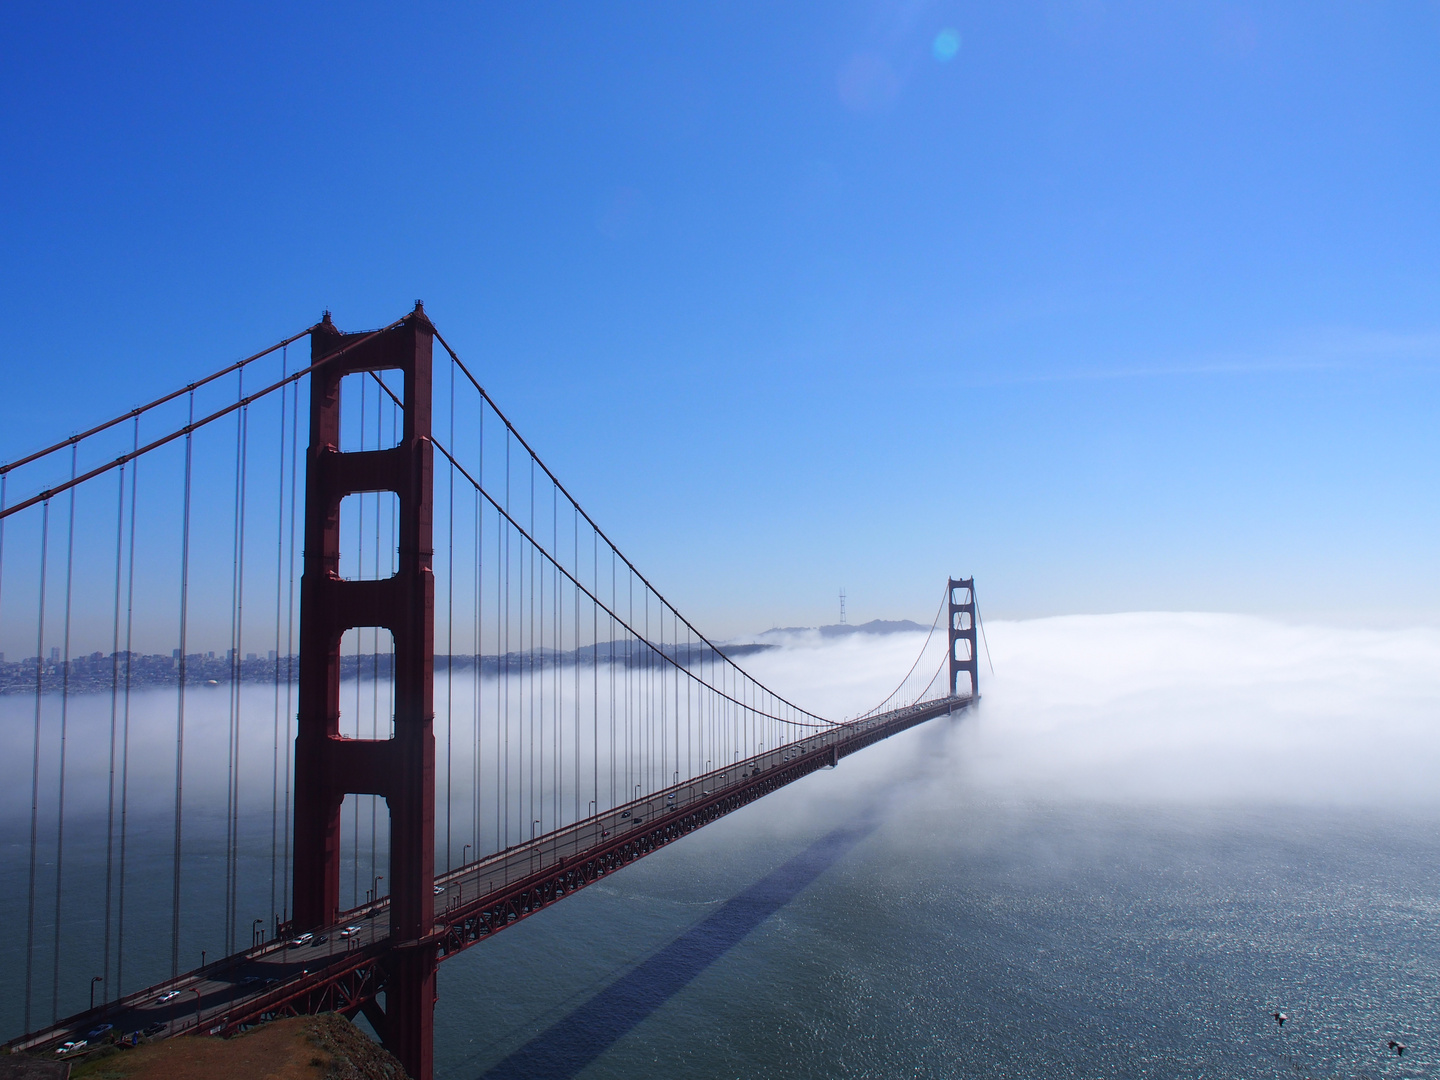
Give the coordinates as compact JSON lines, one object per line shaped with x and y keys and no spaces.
{"x":591,"y":522}
{"x":919,"y":656}
{"x":194,"y":425}
{"x":981,"y":624}
{"x":138,"y":411}
{"x":672,"y":661}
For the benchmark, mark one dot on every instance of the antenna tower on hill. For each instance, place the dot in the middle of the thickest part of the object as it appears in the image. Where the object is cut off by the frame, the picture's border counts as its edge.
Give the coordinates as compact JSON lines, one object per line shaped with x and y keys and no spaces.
{"x":842,"y":607}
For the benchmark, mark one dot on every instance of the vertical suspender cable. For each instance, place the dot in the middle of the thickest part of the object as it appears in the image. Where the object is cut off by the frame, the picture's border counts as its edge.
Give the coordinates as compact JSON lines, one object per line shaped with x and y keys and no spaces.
{"x":647,"y":697}
{"x":375,"y":651}
{"x":673,"y":775}
{"x":686,"y":676}
{"x":630,"y":687}
{"x":450,"y":638}
{"x":279,"y":593}
{"x":480,"y":619}
{"x":981,"y":623}
{"x":359,"y":649}
{"x":500,"y":660}
{"x":548,"y":586}
{"x":537,"y":678}
{"x":529,"y":548}
{"x":396,"y":424}
{"x":552,"y":671}
{"x":114,"y":727}
{"x":35,"y":758}
{"x":507,"y":646}
{"x":557,"y":645}
{"x":290,"y":656}
{"x":64,"y":736}
{"x":594,"y":665}
{"x":125,"y":727}
{"x":234,"y":824}
{"x":232,"y":741}
{"x":575,"y":520}
{"x":180,"y":708}
{"x":4,"y":480}
{"x":614,"y":603}
{"x":234,"y":666}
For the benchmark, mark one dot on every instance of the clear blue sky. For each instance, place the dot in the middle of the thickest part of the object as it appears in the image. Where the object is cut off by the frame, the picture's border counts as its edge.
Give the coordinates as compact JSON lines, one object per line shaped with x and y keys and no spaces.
{"x":1115,"y":305}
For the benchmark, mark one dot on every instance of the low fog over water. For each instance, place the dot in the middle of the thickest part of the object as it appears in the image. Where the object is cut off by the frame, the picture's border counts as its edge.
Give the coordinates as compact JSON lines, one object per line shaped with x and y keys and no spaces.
{"x":1167,"y":707}
{"x":1155,"y":830}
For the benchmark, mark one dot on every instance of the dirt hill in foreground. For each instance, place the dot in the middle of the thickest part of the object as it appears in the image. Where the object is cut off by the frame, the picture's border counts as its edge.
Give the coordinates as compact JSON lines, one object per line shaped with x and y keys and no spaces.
{"x":325,"y":1047}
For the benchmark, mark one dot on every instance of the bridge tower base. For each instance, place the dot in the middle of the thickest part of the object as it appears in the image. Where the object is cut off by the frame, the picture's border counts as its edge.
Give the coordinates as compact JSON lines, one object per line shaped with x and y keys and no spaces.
{"x":963,"y":658}
{"x":401,"y":768}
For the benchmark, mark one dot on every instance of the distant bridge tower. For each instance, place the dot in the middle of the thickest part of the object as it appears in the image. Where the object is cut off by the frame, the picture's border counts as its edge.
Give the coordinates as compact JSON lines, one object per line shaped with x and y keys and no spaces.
{"x":963,"y":658}
{"x":401,"y":768}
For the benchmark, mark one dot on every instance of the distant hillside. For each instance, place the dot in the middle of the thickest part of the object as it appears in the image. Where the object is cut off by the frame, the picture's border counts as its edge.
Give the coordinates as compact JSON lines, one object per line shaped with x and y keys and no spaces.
{"x":745,"y":649}
{"x":874,"y":626}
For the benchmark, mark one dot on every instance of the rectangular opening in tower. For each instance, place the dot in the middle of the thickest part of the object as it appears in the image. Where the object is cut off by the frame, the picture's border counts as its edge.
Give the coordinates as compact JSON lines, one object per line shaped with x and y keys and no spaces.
{"x":364,"y":854}
{"x":370,"y":416}
{"x":369,"y":535}
{"x":367,"y":683}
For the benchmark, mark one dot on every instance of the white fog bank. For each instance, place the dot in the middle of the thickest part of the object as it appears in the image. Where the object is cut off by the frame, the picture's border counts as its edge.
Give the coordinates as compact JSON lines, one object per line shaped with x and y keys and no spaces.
{"x":1168,"y":707}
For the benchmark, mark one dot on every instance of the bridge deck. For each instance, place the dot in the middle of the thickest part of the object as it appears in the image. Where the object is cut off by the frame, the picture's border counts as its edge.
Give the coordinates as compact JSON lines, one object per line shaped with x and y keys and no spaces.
{"x":344,"y":973}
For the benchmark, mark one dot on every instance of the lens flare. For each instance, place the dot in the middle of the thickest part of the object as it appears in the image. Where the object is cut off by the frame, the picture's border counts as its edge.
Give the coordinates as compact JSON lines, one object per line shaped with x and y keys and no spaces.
{"x":946,"y":45}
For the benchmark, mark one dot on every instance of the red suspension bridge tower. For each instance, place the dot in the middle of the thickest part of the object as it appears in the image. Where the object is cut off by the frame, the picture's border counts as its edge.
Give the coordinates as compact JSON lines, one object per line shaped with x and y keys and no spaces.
{"x":401,"y":769}
{"x":962,"y":635}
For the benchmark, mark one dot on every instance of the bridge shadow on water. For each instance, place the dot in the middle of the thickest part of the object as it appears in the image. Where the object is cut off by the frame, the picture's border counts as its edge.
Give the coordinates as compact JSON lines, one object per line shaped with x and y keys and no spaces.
{"x":572,"y":1043}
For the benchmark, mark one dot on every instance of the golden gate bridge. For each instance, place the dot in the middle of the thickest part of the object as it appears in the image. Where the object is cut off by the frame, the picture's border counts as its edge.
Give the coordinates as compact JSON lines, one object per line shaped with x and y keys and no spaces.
{"x":413,"y":801}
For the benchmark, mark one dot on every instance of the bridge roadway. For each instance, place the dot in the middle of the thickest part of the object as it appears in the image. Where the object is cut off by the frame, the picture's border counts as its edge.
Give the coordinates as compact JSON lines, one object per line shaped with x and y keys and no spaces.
{"x":340,"y":971}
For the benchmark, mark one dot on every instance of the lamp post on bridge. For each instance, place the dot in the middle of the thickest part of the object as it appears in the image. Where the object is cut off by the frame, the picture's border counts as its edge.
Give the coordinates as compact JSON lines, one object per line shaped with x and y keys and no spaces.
{"x":255,"y":932}
{"x":93,"y":981}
